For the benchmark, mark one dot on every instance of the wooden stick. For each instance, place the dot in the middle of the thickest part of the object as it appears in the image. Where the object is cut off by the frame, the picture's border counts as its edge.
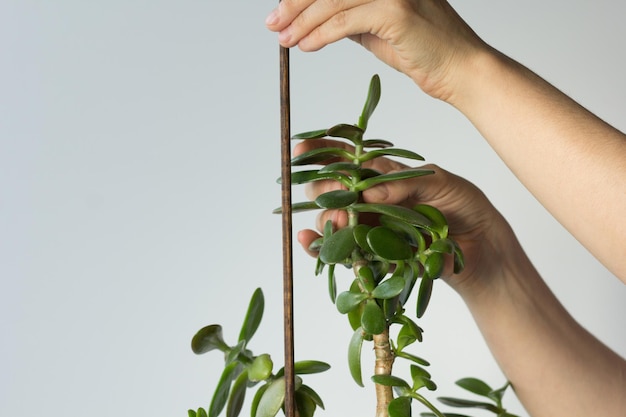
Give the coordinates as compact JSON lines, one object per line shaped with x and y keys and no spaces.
{"x":285,"y":161}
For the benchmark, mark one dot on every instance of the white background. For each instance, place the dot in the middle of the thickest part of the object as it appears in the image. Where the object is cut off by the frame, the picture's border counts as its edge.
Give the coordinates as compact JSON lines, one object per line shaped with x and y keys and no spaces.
{"x":138,"y":156}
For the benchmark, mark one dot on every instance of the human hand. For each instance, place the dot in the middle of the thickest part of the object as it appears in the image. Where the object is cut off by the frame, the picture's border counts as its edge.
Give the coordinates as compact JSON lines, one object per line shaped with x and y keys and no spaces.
{"x":424,"y":39}
{"x":482,"y":233}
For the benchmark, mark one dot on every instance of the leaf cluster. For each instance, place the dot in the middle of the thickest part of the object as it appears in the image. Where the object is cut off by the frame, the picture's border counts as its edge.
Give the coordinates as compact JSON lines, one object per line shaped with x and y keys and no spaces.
{"x":243,"y":370}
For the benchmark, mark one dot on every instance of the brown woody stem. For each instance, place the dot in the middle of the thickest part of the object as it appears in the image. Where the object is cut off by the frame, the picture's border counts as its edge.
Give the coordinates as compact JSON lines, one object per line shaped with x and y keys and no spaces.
{"x":384,"y":364}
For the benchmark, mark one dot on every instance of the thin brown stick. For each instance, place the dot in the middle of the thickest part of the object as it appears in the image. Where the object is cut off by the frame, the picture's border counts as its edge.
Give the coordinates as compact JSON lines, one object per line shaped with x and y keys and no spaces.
{"x":285,"y":161}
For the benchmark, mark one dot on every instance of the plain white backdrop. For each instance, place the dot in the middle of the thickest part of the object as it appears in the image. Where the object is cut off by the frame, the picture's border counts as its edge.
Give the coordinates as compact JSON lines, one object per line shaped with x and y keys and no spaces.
{"x":139,"y":147}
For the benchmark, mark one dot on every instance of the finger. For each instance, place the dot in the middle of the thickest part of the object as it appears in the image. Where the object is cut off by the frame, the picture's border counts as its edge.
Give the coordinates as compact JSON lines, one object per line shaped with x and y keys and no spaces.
{"x":305,"y":238}
{"x":325,"y":22}
{"x":285,"y":13}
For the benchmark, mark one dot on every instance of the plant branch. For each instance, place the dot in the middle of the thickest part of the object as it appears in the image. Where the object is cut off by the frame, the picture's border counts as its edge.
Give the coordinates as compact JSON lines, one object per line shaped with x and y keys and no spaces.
{"x":383,"y":366}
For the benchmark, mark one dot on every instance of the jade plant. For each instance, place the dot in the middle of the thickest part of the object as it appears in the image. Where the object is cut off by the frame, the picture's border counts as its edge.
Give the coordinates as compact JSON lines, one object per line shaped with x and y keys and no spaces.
{"x":403,"y":253}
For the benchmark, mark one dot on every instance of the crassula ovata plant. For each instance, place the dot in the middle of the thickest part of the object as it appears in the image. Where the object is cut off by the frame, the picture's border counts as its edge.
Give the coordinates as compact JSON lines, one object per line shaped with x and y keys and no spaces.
{"x":403,"y":254}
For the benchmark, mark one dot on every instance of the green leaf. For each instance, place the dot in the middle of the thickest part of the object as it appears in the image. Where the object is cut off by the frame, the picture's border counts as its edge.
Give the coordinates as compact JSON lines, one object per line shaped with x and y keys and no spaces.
{"x":366,"y":278}
{"x":445,"y":415}
{"x":312,"y":394}
{"x":201,"y":413}
{"x":233,"y":354}
{"x":310,"y":367}
{"x":304,"y":404}
{"x":220,"y":396}
{"x":433,"y":265}
{"x":459,"y":402}
{"x":423,"y":296}
{"x":313,"y":134}
{"x":348,"y":301}
{"x":459,"y":259}
{"x":376,"y":143}
{"x":237,"y":395}
{"x":412,"y":358}
{"x":336,"y":199}
{"x":373,"y":319}
{"x":419,"y":372}
{"x":253,"y":316}
{"x":389,"y":288}
{"x":398,"y":212}
{"x":354,"y":356}
{"x":298,"y":207}
{"x":410,"y":232}
{"x":350,"y":132}
{"x":373,"y":96}
{"x":406,"y":337}
{"x":388,"y":244}
{"x":318,"y":155}
{"x":360,"y":236}
{"x":261,"y":368}
{"x":395,"y":176}
{"x":475,"y":386}
{"x":338,"y":246}
{"x":337,"y":167}
{"x":332,"y":283}
{"x":403,"y":153}
{"x":497,"y":394}
{"x":272,"y":398}
{"x":439,"y":224}
{"x":400,"y":407}
{"x":254,"y":405}
{"x":390,"y":381}
{"x":191,"y":413}
{"x":207,"y":339}
{"x":303,"y":177}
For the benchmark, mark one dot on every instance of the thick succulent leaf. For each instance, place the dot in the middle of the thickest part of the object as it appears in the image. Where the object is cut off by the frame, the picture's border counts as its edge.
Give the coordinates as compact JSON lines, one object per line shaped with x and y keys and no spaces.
{"x":207,"y":339}
{"x":303,"y":177}
{"x":403,"y":153}
{"x":191,"y":413}
{"x":423,"y":382}
{"x":395,"y":176}
{"x":319,"y":265}
{"x":298,"y":207}
{"x":237,"y":395}
{"x":390,"y":381}
{"x":497,"y":394}
{"x":312,"y":394}
{"x":360,"y":236}
{"x":338,"y":167}
{"x":459,"y":259}
{"x":354,"y":356}
{"x":400,"y":407}
{"x":389,"y":288}
{"x":350,"y":132}
{"x":419,"y":372}
{"x":304,"y":404}
{"x":373,"y":318}
{"x":439,"y":224}
{"x":336,"y":199}
{"x":201,"y":412}
{"x":313,"y":134}
{"x":433,"y":265}
{"x":406,"y":336}
{"x":444,"y":245}
{"x":376,"y":143}
{"x":388,"y":244}
{"x":338,"y":247}
{"x":366,"y":278}
{"x":475,"y":386}
{"x":273,"y":397}
{"x":253,"y":316}
{"x":220,"y":396}
{"x":373,"y":97}
{"x":256,"y":399}
{"x":413,"y":358}
{"x":414,"y":237}
{"x":349,"y":300}
{"x":401,"y":213}
{"x":332,"y":283}
{"x":459,"y":402}
{"x":318,"y":155}
{"x":261,"y":368}
{"x":423,"y":296}
{"x":310,"y":367}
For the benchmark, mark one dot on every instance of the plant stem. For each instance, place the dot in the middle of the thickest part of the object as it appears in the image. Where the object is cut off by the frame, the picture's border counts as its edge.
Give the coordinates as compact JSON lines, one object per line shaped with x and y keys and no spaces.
{"x":383,"y":366}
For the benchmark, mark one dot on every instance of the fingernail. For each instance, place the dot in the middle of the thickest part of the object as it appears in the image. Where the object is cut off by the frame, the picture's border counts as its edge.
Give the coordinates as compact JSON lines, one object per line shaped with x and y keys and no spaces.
{"x":272,"y":18}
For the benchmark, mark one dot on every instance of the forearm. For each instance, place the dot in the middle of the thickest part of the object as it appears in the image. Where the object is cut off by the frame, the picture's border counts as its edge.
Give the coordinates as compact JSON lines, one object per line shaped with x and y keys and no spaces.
{"x":555,"y":366}
{"x":573,"y":162}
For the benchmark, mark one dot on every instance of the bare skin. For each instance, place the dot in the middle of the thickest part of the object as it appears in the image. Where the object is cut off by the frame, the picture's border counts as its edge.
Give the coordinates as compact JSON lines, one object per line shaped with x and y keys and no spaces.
{"x":572,"y":161}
